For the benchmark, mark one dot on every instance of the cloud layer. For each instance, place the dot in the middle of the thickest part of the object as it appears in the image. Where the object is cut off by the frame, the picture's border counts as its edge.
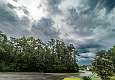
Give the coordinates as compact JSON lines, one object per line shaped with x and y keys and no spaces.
{"x":89,"y":24}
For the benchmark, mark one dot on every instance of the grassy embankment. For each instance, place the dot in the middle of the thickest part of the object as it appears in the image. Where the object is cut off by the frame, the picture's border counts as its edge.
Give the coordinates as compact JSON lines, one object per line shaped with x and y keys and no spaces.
{"x":113,"y":77}
{"x":94,"y":77}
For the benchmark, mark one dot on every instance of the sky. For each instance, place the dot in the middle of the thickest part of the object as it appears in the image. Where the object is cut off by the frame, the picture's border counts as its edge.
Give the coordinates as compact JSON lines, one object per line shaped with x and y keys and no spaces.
{"x":88,"y":24}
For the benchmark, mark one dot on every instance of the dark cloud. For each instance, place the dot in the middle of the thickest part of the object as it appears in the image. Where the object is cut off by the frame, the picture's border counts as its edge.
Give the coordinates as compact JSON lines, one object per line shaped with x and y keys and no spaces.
{"x":7,"y":15}
{"x":53,"y":6}
{"x":73,"y":16}
{"x":108,"y":4}
{"x":89,"y":50}
{"x":10,"y":23}
{"x":7,"y":18}
{"x":15,"y":0}
{"x":90,"y":46}
{"x":82,"y":24}
{"x":43,"y":28}
{"x":26,"y":11}
{"x":11,"y":6}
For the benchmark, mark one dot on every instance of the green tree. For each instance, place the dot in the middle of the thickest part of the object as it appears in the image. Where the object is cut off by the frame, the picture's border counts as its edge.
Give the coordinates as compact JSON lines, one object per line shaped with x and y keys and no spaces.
{"x":6,"y":54}
{"x":31,"y":54}
{"x":111,"y":52}
{"x":63,"y":56}
{"x":103,"y":66}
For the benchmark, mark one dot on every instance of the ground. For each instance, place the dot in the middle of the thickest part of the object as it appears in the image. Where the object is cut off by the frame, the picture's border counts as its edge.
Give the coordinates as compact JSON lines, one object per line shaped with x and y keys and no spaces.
{"x":45,"y":76}
{"x":35,"y":76}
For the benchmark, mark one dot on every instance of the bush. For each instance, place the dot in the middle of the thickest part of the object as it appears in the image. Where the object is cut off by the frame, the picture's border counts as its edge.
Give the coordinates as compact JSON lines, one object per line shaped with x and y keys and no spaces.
{"x":86,"y":78}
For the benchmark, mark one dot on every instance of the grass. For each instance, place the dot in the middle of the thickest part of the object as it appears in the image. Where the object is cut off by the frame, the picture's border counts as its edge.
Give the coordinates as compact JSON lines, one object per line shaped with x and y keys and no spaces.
{"x":71,"y":78}
{"x":97,"y":78}
{"x":94,"y":77}
{"x":113,"y":78}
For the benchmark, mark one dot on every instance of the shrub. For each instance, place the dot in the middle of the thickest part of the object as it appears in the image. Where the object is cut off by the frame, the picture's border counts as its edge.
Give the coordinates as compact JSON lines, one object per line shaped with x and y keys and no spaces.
{"x":86,"y":78}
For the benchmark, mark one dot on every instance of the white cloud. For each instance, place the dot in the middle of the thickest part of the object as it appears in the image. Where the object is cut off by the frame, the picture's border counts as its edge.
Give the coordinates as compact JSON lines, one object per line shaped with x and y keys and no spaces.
{"x":36,"y":8}
{"x":67,"y":4}
{"x":88,"y":54}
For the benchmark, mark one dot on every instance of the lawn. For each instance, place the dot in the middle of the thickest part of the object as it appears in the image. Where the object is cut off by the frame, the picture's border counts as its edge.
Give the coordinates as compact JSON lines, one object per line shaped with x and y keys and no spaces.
{"x":97,"y":78}
{"x":94,"y":77}
{"x":113,"y":77}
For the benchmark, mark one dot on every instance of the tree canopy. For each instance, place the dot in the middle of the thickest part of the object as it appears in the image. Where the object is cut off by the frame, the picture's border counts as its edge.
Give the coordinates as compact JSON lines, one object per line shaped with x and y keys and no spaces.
{"x":31,"y":54}
{"x":103,"y":65}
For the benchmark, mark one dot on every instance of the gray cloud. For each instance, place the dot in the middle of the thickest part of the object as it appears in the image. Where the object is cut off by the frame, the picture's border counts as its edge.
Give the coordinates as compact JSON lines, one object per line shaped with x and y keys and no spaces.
{"x":43,"y":28}
{"x":92,"y":22}
{"x":10,"y":23}
{"x":53,"y":6}
{"x":108,"y":4}
{"x":85,"y":61}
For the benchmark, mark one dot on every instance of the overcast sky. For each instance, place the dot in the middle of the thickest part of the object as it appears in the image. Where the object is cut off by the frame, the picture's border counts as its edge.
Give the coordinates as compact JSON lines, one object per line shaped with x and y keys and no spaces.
{"x":88,"y":24}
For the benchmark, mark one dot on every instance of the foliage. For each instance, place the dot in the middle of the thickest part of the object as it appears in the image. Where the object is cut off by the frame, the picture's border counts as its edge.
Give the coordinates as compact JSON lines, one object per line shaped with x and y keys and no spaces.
{"x":111,"y":52}
{"x":103,"y":66}
{"x":86,"y":78}
{"x":63,"y":57}
{"x":113,"y":77}
{"x":30,"y":54}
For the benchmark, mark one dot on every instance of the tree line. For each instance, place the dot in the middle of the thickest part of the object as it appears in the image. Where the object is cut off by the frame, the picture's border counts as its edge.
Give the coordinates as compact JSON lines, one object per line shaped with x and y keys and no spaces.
{"x":28,"y":54}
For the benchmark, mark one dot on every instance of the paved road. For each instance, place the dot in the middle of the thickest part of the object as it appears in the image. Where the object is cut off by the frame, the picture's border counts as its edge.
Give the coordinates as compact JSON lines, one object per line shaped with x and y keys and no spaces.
{"x":86,"y":73}
{"x":35,"y":76}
